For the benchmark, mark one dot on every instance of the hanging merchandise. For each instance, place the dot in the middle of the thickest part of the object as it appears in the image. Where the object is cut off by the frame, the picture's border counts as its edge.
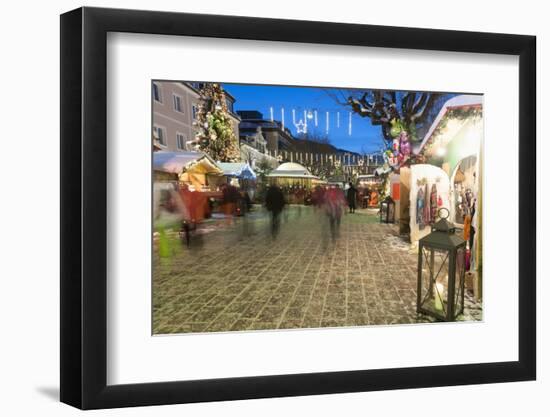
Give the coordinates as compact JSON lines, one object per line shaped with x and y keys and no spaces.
{"x":427,"y":211}
{"x":420,"y":208}
{"x":433,"y":204}
{"x":467,"y":259}
{"x":467,"y":224}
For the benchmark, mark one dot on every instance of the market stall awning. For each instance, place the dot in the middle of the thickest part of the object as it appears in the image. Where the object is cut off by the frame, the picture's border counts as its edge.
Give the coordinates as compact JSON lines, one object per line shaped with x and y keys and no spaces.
{"x":291,"y":170}
{"x":237,"y":169}
{"x":189,"y":161}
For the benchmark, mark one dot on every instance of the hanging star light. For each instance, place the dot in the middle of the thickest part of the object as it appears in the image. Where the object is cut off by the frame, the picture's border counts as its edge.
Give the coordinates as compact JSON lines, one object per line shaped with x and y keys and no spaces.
{"x":301,"y":127}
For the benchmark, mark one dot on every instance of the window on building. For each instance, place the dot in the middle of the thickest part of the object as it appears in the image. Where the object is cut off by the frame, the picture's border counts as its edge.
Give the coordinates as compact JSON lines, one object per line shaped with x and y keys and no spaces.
{"x":195,"y":111}
{"x":177,"y":104}
{"x":197,"y":86}
{"x":229,"y":104}
{"x":180,"y":140}
{"x":160,"y":135}
{"x":157,"y":93}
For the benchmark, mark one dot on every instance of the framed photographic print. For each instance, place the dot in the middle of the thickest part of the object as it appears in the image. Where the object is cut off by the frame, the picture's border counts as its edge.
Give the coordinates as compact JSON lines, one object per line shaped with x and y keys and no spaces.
{"x":256,"y":208}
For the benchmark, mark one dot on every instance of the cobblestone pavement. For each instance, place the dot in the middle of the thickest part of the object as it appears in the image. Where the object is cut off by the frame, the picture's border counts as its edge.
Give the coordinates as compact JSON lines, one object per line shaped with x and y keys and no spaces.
{"x":238,"y":278}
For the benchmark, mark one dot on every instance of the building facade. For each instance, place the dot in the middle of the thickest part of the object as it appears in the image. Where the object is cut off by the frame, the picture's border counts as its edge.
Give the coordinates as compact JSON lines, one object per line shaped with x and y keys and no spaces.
{"x":175,"y":109}
{"x":277,"y":137}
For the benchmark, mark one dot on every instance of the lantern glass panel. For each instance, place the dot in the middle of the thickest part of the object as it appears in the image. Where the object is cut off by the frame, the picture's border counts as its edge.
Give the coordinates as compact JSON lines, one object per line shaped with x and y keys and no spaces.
{"x":391,"y":213}
{"x":435,"y":276}
{"x":459,"y":281}
{"x":384,"y":212}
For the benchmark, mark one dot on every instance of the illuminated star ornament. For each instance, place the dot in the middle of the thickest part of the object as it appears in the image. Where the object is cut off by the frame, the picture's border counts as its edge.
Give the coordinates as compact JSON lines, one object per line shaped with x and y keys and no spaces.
{"x":301,"y":127}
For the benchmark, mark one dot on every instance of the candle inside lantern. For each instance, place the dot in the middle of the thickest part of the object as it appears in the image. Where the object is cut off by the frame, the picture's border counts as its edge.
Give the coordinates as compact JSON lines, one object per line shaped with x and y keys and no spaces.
{"x":438,"y":294}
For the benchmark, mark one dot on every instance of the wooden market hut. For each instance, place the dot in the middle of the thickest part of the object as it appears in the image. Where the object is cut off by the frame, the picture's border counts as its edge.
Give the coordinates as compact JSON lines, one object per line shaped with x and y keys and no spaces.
{"x":195,"y":169}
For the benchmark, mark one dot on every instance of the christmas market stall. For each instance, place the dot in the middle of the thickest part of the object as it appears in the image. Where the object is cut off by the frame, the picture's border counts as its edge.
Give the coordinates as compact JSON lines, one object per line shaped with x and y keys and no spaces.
{"x":238,"y":173}
{"x":295,"y":181}
{"x":195,"y":169}
{"x":454,"y":144}
{"x":369,"y":187}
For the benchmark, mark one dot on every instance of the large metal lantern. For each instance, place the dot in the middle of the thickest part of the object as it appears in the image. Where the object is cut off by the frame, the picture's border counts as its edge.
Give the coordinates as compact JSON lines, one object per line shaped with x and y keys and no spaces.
{"x":441,"y":269}
{"x":387,"y":210}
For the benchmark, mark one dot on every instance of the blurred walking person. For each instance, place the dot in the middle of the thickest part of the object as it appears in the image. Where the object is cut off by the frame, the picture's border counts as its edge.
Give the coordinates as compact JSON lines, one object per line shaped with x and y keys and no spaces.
{"x":230,"y":199}
{"x":274,"y":203}
{"x":351,"y":197}
{"x":334,"y":203}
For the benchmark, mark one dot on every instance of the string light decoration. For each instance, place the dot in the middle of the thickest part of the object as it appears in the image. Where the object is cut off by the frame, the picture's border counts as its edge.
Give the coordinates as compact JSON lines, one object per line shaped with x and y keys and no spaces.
{"x":302,"y":124}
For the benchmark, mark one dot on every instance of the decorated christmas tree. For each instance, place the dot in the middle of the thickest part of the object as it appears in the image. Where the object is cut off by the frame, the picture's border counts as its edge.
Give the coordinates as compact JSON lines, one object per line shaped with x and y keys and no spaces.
{"x":215,"y":135}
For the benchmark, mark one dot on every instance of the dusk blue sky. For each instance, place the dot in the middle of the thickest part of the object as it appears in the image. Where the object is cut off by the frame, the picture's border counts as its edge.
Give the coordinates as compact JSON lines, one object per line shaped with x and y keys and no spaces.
{"x":364,"y":137}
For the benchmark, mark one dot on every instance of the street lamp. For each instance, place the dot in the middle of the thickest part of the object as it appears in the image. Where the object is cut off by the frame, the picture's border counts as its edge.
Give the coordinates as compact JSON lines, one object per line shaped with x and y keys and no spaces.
{"x":387,"y":210}
{"x":441,"y":269}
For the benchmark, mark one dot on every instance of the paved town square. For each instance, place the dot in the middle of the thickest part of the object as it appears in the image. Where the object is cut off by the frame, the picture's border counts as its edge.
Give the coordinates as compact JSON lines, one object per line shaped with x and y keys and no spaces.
{"x":237,"y":277}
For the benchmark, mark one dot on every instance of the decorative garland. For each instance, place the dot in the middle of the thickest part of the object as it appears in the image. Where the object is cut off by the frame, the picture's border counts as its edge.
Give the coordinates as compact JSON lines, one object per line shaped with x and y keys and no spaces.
{"x":456,"y":113}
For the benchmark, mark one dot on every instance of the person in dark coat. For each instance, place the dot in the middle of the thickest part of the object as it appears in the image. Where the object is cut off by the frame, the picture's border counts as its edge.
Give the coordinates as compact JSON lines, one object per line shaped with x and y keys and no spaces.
{"x":274,"y":203}
{"x":351,"y":197}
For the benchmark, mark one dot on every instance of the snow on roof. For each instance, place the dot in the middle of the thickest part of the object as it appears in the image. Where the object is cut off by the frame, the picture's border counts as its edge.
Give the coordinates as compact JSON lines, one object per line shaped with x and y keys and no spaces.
{"x":465,"y":100}
{"x":237,"y":169}
{"x":177,"y":162}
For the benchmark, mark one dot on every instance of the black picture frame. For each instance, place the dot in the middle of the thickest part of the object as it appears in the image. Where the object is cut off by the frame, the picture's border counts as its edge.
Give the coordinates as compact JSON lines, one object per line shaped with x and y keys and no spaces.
{"x":84,"y":207}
